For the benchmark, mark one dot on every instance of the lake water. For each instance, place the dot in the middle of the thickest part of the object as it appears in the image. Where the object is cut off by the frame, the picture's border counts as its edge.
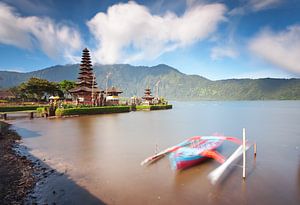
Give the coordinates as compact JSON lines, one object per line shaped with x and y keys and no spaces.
{"x":102,"y":153}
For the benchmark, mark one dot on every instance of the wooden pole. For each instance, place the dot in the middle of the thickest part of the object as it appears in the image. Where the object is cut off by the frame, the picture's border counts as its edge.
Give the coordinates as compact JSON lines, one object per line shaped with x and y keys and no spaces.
{"x":244,"y":153}
{"x":4,"y":116}
{"x":31,"y":115}
{"x":255,"y":149}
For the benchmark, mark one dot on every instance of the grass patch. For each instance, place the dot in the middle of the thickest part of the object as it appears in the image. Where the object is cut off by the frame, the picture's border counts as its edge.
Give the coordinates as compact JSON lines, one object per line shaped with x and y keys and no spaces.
{"x":142,"y":107}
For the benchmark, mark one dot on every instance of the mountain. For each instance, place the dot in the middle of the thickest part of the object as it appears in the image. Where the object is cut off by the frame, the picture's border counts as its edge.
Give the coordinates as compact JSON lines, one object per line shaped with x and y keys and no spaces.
{"x":173,"y":84}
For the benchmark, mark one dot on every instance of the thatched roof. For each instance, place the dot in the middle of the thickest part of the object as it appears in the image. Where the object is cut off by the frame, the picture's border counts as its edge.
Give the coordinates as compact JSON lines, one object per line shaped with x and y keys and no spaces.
{"x":6,"y":94}
{"x":114,"y":90}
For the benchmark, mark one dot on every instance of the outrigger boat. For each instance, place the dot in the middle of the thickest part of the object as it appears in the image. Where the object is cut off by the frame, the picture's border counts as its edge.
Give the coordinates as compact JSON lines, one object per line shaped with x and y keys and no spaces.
{"x":193,"y":150}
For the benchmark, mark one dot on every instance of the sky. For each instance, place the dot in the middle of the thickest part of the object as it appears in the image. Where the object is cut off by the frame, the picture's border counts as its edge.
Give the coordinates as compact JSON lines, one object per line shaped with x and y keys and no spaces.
{"x":217,"y":39}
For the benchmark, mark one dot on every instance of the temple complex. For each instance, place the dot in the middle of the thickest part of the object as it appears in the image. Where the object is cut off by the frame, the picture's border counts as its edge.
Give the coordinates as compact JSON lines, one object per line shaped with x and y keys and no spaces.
{"x":86,"y":91}
{"x":148,"y":98}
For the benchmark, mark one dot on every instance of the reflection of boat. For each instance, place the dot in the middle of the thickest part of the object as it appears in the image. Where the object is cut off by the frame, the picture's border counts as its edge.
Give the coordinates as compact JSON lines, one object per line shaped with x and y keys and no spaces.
{"x":193,"y":150}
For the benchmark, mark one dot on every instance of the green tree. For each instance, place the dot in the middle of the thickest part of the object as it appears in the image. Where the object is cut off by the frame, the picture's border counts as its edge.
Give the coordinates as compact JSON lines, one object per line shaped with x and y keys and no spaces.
{"x":38,"y":88}
{"x":18,"y":92}
{"x":65,"y":86}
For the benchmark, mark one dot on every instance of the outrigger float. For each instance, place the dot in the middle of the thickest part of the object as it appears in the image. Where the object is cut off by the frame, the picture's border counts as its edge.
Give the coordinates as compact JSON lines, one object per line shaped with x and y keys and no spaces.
{"x":198,"y":148}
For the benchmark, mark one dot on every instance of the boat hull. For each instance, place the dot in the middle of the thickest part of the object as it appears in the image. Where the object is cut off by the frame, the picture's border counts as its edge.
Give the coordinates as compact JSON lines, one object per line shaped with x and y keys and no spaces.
{"x":179,"y":163}
{"x":189,"y":156}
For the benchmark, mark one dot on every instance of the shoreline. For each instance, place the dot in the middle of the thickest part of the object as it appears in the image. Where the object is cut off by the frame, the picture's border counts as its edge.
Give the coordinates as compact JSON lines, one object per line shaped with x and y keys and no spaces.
{"x":79,"y":111}
{"x":19,"y":171}
{"x":26,"y":179}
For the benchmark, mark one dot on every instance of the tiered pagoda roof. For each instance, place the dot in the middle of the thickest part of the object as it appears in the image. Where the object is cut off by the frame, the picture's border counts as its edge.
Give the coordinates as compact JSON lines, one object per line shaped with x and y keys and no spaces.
{"x":86,"y":81}
{"x":113,"y":91}
{"x":148,"y":95}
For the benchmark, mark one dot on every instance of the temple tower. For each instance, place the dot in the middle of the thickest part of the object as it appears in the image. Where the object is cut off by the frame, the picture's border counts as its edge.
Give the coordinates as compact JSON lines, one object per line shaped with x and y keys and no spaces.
{"x":86,"y":91}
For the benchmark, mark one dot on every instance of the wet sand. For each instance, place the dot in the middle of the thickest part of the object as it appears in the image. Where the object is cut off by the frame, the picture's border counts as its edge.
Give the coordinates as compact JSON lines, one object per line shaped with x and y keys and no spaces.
{"x":101,"y":154}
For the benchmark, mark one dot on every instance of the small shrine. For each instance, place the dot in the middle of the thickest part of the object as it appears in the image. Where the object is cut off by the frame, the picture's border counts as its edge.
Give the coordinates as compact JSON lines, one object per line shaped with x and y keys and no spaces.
{"x":86,"y":91}
{"x":148,"y":98}
{"x":6,"y":94}
{"x":112,"y":96}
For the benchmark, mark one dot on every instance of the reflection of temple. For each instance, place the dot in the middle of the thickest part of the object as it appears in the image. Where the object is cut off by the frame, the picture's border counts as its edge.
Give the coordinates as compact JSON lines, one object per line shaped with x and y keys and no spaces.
{"x":112,"y":96}
{"x":148,"y":98}
{"x":86,"y":91}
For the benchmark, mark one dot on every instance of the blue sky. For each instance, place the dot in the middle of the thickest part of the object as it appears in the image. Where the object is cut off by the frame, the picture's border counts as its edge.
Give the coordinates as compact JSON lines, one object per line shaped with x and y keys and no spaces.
{"x":216,"y":39}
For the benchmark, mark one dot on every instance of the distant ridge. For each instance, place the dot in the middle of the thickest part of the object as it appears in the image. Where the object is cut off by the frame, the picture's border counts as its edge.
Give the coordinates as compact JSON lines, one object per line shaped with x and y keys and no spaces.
{"x":173,"y":84}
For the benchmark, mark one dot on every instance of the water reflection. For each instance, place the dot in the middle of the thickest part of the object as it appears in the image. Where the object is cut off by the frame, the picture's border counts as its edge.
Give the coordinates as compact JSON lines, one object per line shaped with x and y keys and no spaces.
{"x":57,"y":187}
{"x":26,"y":133}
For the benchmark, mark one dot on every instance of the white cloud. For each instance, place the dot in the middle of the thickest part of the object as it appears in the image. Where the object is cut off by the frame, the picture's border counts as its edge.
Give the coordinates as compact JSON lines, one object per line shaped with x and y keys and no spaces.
{"x":255,"y":5}
{"x":281,"y":49}
{"x":19,"y":70}
{"x":263,"y":74}
{"x":129,"y":32}
{"x":258,"y":5}
{"x":218,"y":53}
{"x":31,"y":6}
{"x":55,"y":40}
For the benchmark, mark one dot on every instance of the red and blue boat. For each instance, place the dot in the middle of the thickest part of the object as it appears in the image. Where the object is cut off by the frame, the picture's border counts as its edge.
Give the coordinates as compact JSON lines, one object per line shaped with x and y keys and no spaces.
{"x":193,"y":151}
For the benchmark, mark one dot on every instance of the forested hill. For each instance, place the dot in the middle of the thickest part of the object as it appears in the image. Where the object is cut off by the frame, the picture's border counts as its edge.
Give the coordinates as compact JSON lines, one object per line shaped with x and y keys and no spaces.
{"x":173,"y":84}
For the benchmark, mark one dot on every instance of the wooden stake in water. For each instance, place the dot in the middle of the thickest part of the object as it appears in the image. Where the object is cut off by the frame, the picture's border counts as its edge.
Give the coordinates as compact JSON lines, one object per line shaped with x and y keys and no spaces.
{"x":255,"y":149}
{"x":244,"y":153}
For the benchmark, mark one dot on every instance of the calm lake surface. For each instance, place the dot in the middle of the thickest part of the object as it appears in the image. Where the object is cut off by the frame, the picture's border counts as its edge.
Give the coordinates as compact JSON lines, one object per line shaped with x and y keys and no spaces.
{"x":102,"y":153}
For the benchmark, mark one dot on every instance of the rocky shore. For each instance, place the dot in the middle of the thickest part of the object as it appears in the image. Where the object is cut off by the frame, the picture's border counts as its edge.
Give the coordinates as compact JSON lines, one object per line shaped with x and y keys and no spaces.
{"x":25,"y":179}
{"x":18,"y":173}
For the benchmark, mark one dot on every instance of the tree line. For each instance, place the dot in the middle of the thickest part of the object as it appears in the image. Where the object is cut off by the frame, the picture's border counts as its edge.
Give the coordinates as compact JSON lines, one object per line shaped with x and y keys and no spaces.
{"x":41,"y":89}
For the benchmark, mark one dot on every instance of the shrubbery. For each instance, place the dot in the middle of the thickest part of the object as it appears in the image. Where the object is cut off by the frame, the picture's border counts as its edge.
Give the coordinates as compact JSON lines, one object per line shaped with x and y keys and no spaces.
{"x":160,"y":107}
{"x":88,"y":110}
{"x":42,"y":111}
{"x":91,"y":110}
{"x":3,"y":101}
{"x":68,"y":106}
{"x":153,"y":107}
{"x":142,"y":107}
